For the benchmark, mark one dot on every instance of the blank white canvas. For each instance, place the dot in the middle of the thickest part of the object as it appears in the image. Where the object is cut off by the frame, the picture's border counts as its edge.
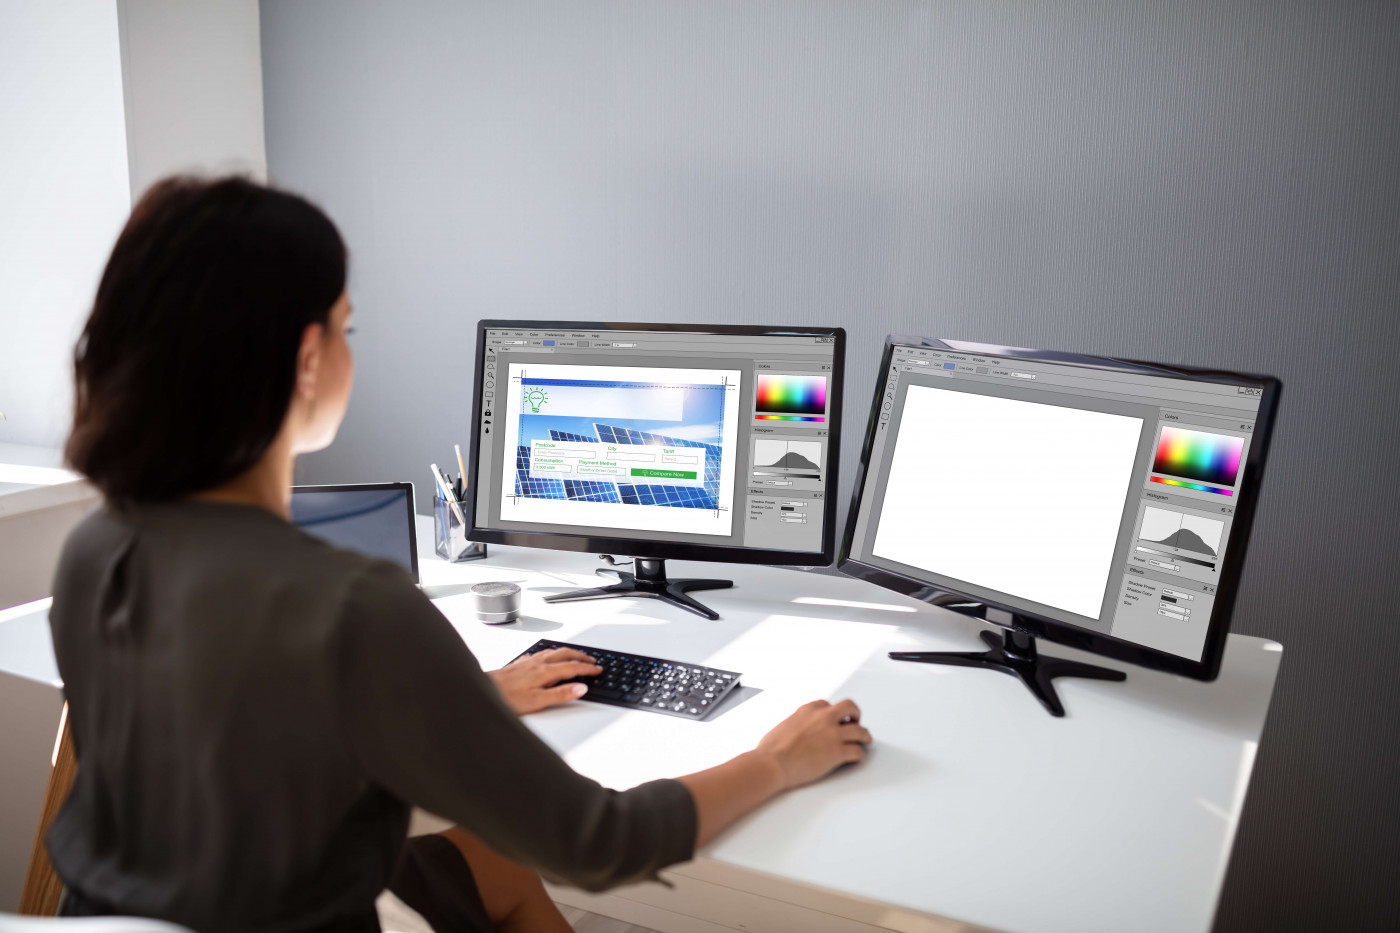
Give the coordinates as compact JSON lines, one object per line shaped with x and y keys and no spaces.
{"x":1013,"y":496}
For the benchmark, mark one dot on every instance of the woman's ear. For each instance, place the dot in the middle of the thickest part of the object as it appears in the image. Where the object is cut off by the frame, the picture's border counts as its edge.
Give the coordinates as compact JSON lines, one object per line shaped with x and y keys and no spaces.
{"x":309,"y":361}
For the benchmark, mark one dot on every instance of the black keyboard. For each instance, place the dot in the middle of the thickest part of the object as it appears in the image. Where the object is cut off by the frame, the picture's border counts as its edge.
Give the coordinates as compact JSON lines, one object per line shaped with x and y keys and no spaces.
{"x":639,"y":682}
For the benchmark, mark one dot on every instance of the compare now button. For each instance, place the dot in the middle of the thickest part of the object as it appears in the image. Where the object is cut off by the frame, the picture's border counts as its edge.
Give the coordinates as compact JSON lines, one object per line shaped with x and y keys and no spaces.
{"x":663,"y":474}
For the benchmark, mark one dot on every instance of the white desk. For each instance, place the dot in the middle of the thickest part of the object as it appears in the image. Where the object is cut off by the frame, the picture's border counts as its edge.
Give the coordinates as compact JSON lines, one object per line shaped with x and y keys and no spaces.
{"x":975,"y":809}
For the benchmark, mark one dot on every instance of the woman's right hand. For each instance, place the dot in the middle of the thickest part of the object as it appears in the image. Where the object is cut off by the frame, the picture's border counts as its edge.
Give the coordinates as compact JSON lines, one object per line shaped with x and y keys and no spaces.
{"x":809,"y":744}
{"x":816,"y":740}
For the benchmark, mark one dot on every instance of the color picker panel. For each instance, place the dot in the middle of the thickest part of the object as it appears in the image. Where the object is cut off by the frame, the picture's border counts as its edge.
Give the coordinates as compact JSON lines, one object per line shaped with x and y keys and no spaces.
{"x":1197,"y":455}
{"x":790,"y":398}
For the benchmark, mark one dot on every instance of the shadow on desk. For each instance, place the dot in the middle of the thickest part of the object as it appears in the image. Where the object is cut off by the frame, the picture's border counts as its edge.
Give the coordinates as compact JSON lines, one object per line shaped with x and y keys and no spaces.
{"x":1234,"y":704}
{"x":1231,"y":705}
{"x":532,"y":624}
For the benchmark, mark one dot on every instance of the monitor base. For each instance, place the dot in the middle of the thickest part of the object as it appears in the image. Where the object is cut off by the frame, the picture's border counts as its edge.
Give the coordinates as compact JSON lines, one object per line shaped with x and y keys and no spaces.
{"x":649,"y":580}
{"x":1015,"y":654}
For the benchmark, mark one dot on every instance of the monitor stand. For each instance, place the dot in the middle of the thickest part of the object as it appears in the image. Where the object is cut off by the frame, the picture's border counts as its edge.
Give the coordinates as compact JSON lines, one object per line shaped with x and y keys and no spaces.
{"x":649,"y":579}
{"x":1015,"y":654}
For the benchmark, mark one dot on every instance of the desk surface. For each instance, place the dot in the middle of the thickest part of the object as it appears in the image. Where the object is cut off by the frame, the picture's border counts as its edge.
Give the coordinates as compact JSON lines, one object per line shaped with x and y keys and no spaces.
{"x":974,"y":805}
{"x":24,"y":468}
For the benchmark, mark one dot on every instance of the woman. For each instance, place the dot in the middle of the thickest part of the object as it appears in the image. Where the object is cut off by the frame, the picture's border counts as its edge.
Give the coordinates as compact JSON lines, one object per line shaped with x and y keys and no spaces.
{"x":254,"y":712}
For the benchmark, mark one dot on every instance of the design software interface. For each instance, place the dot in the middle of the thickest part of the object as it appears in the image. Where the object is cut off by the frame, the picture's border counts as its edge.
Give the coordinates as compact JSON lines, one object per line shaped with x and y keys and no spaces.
{"x":702,"y":438}
{"x":1100,"y":499}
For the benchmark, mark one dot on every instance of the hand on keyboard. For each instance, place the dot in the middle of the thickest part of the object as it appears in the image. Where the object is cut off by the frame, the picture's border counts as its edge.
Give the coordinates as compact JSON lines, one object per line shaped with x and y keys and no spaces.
{"x":533,"y":682}
{"x":656,"y":685}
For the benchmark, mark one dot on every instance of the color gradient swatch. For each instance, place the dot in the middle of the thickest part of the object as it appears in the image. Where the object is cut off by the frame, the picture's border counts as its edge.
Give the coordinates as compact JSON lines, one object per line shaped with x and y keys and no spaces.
{"x":790,"y":395}
{"x":790,"y":417}
{"x":1177,"y":482}
{"x":1207,"y":458}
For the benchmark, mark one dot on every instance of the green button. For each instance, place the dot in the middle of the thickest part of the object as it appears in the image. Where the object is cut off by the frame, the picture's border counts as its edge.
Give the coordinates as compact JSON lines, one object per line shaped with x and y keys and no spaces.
{"x":663,"y":474}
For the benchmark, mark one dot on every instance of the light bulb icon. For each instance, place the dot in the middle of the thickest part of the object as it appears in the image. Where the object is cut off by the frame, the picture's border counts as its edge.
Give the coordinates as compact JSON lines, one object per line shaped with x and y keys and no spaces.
{"x":536,"y":398}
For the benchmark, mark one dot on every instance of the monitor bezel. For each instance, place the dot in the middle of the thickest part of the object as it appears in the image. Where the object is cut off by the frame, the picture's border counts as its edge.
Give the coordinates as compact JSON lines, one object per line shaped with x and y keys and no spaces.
{"x":368,"y":487}
{"x":670,"y":550}
{"x":980,"y":608}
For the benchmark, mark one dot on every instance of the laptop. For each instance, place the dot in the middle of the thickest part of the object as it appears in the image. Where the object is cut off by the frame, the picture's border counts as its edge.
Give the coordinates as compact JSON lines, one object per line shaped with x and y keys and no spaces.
{"x":376,"y":519}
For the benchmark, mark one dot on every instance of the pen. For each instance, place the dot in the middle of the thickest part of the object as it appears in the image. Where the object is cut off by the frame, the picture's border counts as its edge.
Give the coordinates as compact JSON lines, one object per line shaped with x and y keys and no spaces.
{"x":461,"y":468}
{"x":447,"y":478}
{"x":447,"y":494}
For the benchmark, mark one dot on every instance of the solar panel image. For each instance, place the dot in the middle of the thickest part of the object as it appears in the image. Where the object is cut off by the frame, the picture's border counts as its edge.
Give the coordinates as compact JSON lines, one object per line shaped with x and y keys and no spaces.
{"x":685,"y":497}
{"x":590,"y":490}
{"x":689,"y":497}
{"x":584,"y":490}
{"x":527,"y":485}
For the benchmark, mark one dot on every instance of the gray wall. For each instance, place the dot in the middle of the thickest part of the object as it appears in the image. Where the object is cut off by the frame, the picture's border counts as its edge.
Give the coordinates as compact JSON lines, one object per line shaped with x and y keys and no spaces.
{"x":192,"y":76}
{"x":1213,"y":184}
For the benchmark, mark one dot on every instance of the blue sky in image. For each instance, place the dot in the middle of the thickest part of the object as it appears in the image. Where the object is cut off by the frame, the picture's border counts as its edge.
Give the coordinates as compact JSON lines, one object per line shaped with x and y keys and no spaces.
{"x":702,"y":420}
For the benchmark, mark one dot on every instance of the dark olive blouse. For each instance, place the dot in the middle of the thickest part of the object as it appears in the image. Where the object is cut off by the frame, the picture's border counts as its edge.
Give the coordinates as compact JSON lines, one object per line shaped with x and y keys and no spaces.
{"x":255,"y":711}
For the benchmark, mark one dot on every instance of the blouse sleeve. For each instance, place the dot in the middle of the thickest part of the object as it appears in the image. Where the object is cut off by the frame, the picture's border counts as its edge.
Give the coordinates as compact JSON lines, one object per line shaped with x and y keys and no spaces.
{"x":428,"y":725}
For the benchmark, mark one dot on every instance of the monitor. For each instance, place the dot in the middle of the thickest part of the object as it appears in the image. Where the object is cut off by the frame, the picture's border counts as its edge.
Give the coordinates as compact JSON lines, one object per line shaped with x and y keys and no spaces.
{"x":1098,"y":503}
{"x":371,"y":518}
{"x":697,"y":442}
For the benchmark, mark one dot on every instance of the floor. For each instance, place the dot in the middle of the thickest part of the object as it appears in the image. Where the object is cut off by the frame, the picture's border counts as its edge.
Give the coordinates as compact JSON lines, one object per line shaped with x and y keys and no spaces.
{"x":584,"y":922}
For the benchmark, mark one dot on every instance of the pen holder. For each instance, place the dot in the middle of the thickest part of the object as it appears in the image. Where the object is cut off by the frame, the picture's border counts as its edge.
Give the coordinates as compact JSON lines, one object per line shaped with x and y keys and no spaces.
{"x":450,"y":535}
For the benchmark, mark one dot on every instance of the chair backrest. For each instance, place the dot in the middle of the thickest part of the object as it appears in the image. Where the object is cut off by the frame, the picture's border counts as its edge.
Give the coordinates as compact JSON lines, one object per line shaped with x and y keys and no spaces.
{"x":42,"y":887}
{"x":10,"y":923}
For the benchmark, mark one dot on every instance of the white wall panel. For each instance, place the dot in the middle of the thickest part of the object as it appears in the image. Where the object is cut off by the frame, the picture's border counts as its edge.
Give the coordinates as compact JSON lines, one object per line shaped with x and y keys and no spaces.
{"x":63,"y":198}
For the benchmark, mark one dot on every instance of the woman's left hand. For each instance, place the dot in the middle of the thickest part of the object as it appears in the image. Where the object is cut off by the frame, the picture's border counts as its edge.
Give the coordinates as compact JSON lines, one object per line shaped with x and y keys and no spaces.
{"x":533,"y":683}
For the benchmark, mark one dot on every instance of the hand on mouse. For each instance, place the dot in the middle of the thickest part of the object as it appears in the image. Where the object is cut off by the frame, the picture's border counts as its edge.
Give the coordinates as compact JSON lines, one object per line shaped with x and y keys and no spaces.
{"x":809,"y":744}
{"x":816,"y":740}
{"x":532,"y":683}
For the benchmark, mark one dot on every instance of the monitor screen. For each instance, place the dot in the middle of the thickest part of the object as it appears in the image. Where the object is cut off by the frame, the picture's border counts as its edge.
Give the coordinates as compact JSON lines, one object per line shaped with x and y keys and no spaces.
{"x":373,"y":518}
{"x":665,"y":439}
{"x":1096,"y":497}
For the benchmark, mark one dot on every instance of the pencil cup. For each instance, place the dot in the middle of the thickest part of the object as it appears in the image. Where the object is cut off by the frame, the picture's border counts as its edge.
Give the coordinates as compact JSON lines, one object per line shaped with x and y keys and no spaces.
{"x":450,"y":536}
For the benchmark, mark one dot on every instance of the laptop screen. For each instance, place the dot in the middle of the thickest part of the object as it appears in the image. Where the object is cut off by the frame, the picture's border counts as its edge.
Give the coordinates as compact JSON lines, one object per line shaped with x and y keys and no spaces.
{"x":375,"y":519}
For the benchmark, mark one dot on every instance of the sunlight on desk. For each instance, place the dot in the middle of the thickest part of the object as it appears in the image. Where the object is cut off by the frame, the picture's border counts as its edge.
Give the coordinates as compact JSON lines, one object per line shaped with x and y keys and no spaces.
{"x":1129,"y":790}
{"x":789,"y":659}
{"x":23,"y":474}
{"x":808,"y":656}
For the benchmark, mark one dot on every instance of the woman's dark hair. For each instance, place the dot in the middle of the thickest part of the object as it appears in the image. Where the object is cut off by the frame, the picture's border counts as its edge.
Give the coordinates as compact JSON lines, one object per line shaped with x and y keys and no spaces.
{"x":185,"y":369}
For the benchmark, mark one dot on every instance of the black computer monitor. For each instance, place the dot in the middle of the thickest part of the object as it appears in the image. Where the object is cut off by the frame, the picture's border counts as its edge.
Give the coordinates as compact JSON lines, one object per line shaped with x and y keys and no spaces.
{"x":1099,"y":503}
{"x":655,"y":441}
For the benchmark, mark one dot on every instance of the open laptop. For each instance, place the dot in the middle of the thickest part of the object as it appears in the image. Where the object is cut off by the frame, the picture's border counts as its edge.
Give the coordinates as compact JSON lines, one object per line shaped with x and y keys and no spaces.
{"x":372,"y":518}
